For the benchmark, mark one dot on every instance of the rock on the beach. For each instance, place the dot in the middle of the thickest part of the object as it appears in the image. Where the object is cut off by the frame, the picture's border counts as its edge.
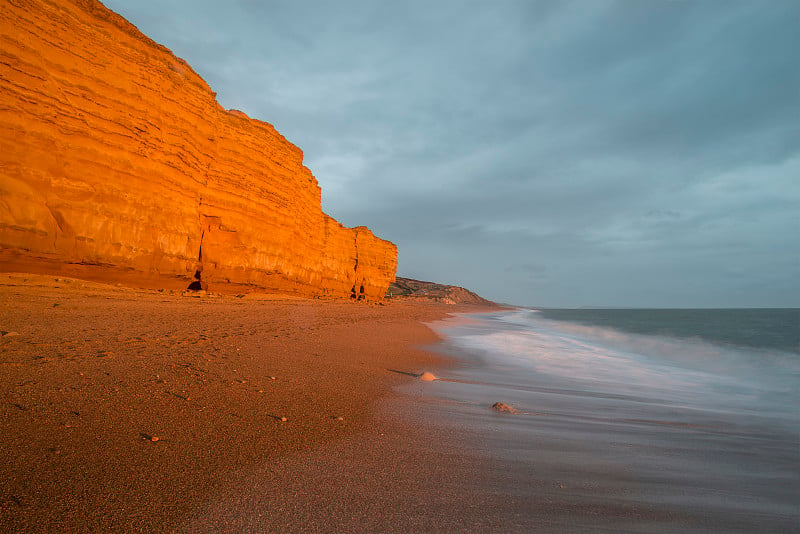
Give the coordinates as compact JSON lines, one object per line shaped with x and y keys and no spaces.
{"x":427,"y":377}
{"x":503,"y":407}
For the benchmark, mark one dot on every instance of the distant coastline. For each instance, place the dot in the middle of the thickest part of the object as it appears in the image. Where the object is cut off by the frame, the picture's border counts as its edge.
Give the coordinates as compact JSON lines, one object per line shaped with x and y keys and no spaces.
{"x":409,"y":288}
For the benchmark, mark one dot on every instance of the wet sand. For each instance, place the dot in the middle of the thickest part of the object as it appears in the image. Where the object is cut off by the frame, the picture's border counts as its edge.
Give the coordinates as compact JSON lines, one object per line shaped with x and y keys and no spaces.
{"x":601,"y":456}
{"x":143,"y":411}
{"x":139,"y":410}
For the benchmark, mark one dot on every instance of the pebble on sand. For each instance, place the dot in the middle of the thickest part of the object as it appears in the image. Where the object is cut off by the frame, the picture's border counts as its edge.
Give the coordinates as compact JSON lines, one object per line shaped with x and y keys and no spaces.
{"x":503,"y":407}
{"x":427,"y":377}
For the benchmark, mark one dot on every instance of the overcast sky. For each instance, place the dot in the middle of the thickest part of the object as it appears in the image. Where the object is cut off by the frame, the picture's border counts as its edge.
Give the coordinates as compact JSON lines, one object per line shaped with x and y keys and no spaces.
{"x":544,"y":153}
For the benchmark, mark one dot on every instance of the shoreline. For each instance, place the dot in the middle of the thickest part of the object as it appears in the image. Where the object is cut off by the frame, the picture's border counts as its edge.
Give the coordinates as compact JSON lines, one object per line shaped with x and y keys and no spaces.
{"x":586,"y":453}
{"x":128,"y":409}
{"x":137,"y":410}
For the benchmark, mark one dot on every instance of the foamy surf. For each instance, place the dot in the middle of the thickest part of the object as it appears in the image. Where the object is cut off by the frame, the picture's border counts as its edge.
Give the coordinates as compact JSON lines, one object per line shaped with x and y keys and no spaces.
{"x":690,"y":372}
{"x":644,"y":428}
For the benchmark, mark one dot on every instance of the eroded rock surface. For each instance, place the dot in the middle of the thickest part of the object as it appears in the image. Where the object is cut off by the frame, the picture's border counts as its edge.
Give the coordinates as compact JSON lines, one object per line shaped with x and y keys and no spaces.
{"x":117,"y":163}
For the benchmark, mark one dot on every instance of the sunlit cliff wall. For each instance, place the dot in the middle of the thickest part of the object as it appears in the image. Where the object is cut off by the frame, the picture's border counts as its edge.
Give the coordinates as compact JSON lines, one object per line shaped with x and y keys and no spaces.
{"x":117,"y":163}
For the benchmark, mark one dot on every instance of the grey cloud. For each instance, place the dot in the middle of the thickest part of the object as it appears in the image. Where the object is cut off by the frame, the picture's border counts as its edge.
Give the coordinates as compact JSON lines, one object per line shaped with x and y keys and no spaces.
{"x":640,"y":153}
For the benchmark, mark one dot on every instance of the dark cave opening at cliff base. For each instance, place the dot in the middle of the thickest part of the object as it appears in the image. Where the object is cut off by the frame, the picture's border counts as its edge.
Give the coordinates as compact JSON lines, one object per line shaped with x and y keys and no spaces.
{"x":196,"y":285}
{"x":361,"y":295}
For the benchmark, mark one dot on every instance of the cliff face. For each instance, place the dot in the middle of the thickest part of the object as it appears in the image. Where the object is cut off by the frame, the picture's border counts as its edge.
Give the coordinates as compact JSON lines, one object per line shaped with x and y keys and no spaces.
{"x":117,"y":163}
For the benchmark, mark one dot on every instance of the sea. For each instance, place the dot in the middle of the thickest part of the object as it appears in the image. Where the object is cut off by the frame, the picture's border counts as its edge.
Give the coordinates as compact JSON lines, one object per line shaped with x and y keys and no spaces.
{"x":633,"y":420}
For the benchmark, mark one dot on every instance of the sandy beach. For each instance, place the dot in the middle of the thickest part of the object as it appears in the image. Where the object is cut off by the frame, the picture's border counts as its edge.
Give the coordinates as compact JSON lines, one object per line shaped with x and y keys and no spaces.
{"x":132,"y":410}
{"x":140,"y":410}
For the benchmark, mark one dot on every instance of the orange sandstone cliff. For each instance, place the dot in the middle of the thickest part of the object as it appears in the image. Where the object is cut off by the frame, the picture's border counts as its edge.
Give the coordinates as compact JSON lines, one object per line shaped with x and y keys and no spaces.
{"x":118,"y":164}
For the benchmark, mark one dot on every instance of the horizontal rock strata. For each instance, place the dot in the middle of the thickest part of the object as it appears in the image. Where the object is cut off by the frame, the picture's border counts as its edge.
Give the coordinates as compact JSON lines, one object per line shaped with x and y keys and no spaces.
{"x":117,"y":163}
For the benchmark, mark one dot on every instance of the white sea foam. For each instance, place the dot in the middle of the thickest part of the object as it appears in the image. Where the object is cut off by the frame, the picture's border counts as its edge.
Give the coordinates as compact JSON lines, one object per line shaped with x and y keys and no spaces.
{"x":599,"y":358}
{"x":577,"y":358}
{"x":681,"y":423}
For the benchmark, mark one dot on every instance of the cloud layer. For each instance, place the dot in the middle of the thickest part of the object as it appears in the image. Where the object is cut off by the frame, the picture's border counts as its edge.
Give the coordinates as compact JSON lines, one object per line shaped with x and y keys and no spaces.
{"x":538,"y":152}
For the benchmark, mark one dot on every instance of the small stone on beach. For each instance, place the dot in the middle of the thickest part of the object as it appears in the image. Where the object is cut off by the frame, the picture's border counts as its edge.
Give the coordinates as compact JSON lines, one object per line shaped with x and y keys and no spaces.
{"x":283,"y":419}
{"x":503,"y":407}
{"x":427,"y":377}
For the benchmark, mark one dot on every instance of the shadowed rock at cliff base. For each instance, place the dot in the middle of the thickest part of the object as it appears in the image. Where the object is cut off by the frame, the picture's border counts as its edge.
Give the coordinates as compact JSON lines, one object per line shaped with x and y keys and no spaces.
{"x":118,"y":164}
{"x":417,"y":289}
